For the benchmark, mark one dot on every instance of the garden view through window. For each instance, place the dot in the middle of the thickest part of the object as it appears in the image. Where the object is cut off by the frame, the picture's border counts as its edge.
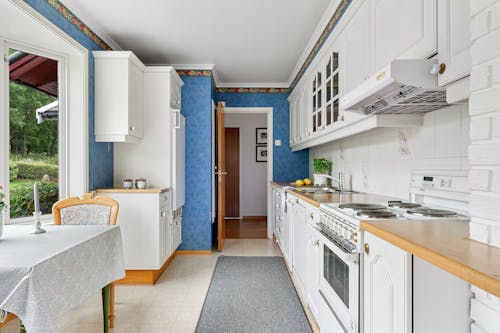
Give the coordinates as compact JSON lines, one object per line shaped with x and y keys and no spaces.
{"x":33,"y":126}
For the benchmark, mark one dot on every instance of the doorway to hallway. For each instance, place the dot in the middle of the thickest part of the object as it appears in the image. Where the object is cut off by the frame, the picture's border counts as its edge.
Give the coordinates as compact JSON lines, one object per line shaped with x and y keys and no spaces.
{"x":246,"y":179}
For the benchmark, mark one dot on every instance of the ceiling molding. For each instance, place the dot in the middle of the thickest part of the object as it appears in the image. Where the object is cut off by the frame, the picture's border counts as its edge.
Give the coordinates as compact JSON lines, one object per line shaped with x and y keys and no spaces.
{"x":330,"y":10}
{"x":253,"y":85}
{"x":328,"y":28}
{"x":91,"y":29}
{"x":208,"y":67}
{"x":256,"y":90}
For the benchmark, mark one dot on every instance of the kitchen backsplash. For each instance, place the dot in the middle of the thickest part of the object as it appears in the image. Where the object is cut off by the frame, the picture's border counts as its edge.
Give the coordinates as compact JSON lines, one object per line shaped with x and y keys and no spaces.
{"x":380,"y":161}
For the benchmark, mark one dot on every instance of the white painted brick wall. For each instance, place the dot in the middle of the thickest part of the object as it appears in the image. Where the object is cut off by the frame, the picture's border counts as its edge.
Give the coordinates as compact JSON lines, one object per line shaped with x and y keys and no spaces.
{"x":480,"y":128}
{"x":495,"y":17}
{"x":479,"y":180}
{"x":484,"y":149}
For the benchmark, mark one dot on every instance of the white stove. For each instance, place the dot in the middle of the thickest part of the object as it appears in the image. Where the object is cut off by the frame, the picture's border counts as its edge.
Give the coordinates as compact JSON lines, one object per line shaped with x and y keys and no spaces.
{"x":434,"y":195}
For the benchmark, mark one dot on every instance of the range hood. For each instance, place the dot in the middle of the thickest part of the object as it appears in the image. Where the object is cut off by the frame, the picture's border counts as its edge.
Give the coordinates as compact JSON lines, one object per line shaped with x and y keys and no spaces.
{"x":405,"y":86}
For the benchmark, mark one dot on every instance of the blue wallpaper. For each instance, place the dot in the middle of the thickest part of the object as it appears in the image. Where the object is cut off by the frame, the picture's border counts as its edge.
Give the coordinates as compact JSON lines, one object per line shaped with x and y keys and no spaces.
{"x":197,"y":108}
{"x":100,"y":161}
{"x":287,"y":165}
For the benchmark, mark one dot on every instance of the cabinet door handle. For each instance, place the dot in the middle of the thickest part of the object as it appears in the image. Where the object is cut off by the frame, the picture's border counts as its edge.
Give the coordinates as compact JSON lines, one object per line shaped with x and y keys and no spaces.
{"x":163,"y":214}
{"x":132,"y":128}
{"x":312,"y":216}
{"x":367,"y":248}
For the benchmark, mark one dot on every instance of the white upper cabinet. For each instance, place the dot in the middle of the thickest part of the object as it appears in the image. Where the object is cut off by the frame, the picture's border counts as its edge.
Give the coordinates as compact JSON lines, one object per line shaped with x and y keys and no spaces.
{"x":356,"y":49}
{"x":304,"y":112}
{"x":453,"y":40}
{"x":403,"y":29}
{"x":119,"y":96}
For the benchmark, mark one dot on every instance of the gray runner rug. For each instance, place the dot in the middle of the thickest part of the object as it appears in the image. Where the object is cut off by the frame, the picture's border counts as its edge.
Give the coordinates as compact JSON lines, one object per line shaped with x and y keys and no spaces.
{"x":251,"y":294}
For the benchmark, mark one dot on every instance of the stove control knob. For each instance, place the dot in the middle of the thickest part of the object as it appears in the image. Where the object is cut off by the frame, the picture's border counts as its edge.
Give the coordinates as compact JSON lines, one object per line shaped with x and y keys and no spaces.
{"x":354,"y":237}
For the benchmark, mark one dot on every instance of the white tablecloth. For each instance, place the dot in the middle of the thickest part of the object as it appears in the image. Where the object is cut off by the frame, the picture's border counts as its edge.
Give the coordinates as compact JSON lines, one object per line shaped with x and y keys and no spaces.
{"x":44,"y":276}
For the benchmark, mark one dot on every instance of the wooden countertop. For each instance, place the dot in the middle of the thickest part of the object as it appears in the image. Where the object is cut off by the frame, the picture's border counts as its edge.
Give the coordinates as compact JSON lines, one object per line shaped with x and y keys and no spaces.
{"x":445,"y":244}
{"x":132,"y":190}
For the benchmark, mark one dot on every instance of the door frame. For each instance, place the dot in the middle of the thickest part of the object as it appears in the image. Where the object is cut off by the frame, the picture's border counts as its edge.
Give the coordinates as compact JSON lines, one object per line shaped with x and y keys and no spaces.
{"x":270,"y":144}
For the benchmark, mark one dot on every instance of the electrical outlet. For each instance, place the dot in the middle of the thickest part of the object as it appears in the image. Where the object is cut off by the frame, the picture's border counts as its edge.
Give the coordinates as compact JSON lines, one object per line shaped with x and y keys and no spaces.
{"x":277,"y":143}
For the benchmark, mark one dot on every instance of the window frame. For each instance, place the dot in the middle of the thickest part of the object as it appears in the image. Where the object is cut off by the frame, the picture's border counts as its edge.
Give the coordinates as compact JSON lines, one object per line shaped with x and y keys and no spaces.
{"x":33,"y":33}
{"x":61,"y":127}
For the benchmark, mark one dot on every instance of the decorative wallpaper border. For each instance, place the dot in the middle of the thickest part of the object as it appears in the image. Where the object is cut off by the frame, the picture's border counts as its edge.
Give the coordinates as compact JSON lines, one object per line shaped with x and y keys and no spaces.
{"x":252,"y":90}
{"x":64,"y":11}
{"x":194,"y":72}
{"x":342,"y":7}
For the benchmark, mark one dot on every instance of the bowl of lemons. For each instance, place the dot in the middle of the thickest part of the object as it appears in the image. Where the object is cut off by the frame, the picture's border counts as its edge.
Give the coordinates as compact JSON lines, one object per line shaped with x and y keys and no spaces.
{"x":302,"y":182}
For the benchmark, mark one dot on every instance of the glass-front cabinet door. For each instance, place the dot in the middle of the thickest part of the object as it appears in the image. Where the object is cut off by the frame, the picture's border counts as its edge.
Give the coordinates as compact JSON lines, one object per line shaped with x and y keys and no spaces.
{"x":317,"y":102}
{"x":332,"y":89}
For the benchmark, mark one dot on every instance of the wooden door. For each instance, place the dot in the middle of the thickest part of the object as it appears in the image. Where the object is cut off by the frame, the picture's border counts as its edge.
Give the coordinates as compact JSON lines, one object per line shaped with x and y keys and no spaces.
{"x":221,"y":179}
{"x":232,"y":153}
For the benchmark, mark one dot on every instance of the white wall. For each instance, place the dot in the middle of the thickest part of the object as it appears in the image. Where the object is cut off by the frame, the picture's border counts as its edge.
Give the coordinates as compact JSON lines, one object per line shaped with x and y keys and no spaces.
{"x":380,"y":161}
{"x":253,"y":175}
{"x":485,"y":147}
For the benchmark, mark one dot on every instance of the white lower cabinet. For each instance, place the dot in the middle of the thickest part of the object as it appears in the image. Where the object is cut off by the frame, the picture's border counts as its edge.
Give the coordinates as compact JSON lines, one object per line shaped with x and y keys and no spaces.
{"x":300,"y":241}
{"x":314,"y":263}
{"x":288,"y":224}
{"x":150,"y":232}
{"x":387,"y":287}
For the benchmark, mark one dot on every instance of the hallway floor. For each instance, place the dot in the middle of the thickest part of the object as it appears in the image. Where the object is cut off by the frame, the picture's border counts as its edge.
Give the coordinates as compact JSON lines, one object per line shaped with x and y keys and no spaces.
{"x":173,"y":304}
{"x":247,"y":228}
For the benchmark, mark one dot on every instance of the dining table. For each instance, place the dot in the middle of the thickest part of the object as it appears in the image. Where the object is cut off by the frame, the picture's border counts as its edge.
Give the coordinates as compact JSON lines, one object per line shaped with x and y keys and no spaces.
{"x":44,"y":276}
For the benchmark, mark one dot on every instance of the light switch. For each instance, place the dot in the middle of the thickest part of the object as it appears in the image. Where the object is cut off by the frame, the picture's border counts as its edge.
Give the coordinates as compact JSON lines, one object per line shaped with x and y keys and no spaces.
{"x":277,"y":143}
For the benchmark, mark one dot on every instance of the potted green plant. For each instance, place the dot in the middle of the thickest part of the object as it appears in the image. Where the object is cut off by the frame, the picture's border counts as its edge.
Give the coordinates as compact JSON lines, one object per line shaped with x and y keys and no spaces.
{"x":322,"y":167}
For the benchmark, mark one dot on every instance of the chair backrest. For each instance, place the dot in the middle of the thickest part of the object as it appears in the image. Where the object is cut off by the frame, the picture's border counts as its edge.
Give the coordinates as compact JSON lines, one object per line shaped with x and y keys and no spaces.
{"x":86,"y":210}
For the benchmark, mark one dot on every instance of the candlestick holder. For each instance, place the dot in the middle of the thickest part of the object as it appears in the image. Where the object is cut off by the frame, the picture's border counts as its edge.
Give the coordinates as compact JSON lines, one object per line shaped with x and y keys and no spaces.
{"x":38,"y":225}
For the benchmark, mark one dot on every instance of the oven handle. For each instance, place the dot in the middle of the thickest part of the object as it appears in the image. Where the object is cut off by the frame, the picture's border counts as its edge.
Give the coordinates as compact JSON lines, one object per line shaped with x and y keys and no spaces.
{"x":333,"y":312}
{"x":344,"y":254}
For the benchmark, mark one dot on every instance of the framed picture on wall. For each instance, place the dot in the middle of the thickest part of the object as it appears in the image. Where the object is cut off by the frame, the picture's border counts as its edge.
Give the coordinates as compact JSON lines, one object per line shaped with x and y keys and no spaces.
{"x":261,"y":136}
{"x":261,"y":153}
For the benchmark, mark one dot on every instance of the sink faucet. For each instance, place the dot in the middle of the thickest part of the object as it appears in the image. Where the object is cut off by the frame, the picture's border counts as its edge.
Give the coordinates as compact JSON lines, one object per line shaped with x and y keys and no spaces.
{"x":339,"y":179}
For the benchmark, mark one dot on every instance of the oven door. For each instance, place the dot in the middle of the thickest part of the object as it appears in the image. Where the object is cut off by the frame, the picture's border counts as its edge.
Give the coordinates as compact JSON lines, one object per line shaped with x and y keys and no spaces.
{"x":339,"y":283}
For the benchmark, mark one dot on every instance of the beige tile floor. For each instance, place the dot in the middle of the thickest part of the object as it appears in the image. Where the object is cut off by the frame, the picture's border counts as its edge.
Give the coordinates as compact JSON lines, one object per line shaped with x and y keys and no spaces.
{"x":172,"y":305}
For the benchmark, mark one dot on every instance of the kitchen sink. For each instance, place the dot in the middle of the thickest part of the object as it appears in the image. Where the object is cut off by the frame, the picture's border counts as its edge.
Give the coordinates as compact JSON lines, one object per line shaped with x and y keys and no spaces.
{"x":320,"y":190}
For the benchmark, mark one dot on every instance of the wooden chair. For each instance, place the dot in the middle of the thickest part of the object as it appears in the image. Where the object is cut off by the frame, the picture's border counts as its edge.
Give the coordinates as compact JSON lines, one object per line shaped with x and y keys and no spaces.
{"x":90,"y":210}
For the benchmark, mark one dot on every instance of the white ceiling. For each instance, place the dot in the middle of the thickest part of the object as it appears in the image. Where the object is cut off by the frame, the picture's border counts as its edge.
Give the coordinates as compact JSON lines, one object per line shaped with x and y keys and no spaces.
{"x":256,"y":42}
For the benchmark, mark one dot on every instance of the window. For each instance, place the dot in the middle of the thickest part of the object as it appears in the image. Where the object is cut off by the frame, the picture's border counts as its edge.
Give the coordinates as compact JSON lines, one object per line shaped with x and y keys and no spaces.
{"x":24,"y":29}
{"x":33,"y":142}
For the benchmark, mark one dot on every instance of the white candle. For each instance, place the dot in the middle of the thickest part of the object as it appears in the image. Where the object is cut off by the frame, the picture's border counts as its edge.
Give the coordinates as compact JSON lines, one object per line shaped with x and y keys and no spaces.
{"x":36,"y":198}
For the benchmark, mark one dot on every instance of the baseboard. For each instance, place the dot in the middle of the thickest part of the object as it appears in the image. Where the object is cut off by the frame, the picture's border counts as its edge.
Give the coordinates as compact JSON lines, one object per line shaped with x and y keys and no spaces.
{"x":250,"y":217}
{"x":146,"y":277}
{"x":310,"y":317}
{"x":184,"y":252}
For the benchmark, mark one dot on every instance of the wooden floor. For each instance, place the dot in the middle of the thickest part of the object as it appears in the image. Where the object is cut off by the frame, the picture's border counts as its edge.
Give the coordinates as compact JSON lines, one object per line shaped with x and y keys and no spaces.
{"x":247,"y":227}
